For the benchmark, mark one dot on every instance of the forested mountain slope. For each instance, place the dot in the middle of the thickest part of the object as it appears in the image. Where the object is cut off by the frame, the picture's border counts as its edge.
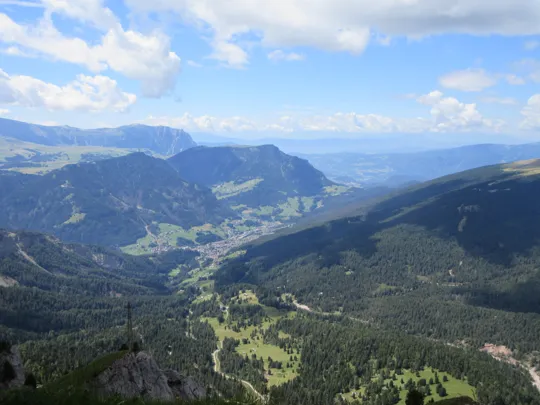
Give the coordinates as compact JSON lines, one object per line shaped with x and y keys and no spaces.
{"x":453,"y":259}
{"x":41,"y":276}
{"x":162,"y":140}
{"x":109,"y":202}
{"x":65,"y":304}
{"x":251,"y":175}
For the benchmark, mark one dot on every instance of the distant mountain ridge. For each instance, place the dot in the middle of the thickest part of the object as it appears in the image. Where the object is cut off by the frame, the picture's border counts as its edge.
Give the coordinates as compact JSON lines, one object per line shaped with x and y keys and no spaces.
{"x":161,"y":140}
{"x":109,"y":202}
{"x":254,"y":175}
{"x":398,"y":169}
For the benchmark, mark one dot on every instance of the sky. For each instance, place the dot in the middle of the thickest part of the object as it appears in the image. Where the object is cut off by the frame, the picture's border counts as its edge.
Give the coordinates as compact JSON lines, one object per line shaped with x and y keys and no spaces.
{"x":276,"y":68}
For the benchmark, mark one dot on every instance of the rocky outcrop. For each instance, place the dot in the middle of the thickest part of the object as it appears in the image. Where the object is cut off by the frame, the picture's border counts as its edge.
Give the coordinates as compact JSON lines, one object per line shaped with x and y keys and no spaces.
{"x":11,"y":368}
{"x":185,"y":388}
{"x":137,"y":375}
{"x":134,"y":375}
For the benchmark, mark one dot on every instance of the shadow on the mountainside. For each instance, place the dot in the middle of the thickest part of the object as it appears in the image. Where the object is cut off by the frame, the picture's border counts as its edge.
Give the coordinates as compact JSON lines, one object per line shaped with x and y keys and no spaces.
{"x":492,"y":220}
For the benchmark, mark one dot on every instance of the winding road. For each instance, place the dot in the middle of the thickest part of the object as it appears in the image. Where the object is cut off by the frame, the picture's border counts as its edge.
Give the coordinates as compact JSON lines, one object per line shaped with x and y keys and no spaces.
{"x":217,"y":369}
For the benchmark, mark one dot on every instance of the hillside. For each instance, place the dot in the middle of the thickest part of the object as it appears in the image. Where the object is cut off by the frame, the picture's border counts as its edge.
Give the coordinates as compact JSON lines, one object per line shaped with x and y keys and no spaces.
{"x":65,"y":304}
{"x":452,"y":259}
{"x":162,"y":140}
{"x":402,"y":168}
{"x":108,"y":202}
{"x":32,"y":158}
{"x":40,"y":277}
{"x":259,"y":179}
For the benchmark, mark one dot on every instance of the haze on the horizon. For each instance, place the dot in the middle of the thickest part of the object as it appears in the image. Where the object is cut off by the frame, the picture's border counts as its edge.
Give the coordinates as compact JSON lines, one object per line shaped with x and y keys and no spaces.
{"x":454,"y":72}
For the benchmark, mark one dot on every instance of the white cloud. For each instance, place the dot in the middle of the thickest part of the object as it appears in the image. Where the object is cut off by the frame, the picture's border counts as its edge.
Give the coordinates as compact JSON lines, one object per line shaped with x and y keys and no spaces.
{"x":192,"y":63}
{"x":531,"y":45}
{"x":4,"y":112}
{"x":279,"y":55}
{"x":447,"y":114}
{"x":499,"y":100}
{"x":16,"y":51}
{"x":20,"y":3}
{"x":86,"y":93}
{"x":230,"y":54}
{"x":468,"y":80}
{"x":346,"y":25}
{"x":531,"y":114}
{"x":146,"y":58}
{"x":514,"y":80}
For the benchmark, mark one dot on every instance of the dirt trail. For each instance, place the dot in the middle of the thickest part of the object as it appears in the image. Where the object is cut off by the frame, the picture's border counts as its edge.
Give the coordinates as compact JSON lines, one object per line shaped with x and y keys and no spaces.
{"x":535,"y":377}
{"x":503,"y":353}
{"x":301,"y":306}
{"x":244,"y":382}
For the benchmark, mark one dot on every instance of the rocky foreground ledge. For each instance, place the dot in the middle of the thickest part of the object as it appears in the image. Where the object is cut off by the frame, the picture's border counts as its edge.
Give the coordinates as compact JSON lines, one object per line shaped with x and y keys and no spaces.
{"x":137,"y":375}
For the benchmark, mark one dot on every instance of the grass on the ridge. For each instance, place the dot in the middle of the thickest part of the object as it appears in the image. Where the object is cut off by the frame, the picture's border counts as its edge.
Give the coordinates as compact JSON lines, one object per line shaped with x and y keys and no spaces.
{"x":231,"y":188}
{"x":256,"y":346}
{"x":454,"y":388}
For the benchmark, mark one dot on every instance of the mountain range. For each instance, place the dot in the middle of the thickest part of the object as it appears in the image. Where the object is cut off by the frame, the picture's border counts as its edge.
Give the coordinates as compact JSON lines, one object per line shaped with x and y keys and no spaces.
{"x":401,"y":168}
{"x":160,"y":140}
{"x":108,"y":202}
{"x":198,"y":196}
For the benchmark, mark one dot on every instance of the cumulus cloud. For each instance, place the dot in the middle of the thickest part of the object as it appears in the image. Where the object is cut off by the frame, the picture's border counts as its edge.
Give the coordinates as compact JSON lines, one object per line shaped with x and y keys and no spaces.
{"x":279,"y":55}
{"x":346,"y":25}
{"x":86,"y":93}
{"x":531,"y":114}
{"x":446,"y":114}
{"x":449,"y":114}
{"x":16,"y":51}
{"x":476,"y":80}
{"x":468,"y":80}
{"x":4,"y":112}
{"x":146,"y":58}
{"x":230,"y":54}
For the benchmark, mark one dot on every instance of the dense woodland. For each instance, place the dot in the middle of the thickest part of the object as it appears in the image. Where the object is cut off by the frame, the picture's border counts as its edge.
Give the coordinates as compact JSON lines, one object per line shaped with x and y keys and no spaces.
{"x":69,"y":308}
{"x":338,"y":356}
{"x":447,"y":260}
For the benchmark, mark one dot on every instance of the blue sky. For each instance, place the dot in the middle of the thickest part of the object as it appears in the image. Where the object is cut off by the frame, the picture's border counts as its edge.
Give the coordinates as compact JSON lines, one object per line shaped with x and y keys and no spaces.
{"x":280,"y":68}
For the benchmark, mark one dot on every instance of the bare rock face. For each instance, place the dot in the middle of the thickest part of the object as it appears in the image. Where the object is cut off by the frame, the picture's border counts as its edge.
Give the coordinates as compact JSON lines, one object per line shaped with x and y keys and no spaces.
{"x":11,"y":368}
{"x":185,"y":388}
{"x":135,"y":375}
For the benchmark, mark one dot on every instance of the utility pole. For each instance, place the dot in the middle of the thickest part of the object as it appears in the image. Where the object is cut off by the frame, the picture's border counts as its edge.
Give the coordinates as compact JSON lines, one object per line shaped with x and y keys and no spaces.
{"x":129,"y":327}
